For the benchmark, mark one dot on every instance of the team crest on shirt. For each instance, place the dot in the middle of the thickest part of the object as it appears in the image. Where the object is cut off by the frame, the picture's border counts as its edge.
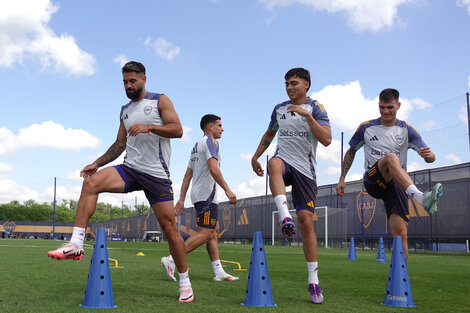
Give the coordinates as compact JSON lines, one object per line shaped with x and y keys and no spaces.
{"x":148,"y":110}
{"x":399,"y":139}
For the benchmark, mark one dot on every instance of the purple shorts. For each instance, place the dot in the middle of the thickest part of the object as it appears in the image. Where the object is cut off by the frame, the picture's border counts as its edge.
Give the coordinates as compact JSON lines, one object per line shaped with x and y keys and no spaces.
{"x":206,"y":214}
{"x":394,"y":197}
{"x":155,"y":189}
{"x":304,"y":189}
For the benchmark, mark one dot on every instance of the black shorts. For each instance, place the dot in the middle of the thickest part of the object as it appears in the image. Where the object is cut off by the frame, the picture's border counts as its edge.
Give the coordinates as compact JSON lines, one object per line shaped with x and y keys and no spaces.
{"x":394,"y":197}
{"x":206,"y":214}
{"x":304,"y":189}
{"x":155,"y":189}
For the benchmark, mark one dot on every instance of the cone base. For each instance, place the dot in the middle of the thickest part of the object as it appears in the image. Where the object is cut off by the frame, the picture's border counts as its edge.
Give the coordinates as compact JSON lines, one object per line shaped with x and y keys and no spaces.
{"x":98,"y":307}
{"x":259,"y":305}
{"x":399,"y":304}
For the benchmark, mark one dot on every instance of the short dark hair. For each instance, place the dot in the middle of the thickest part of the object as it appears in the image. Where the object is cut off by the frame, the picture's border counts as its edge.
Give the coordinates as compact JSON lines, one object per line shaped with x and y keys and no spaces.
{"x":299,"y":72}
{"x":133,"y":66}
{"x":208,"y":119}
{"x":388,"y":95}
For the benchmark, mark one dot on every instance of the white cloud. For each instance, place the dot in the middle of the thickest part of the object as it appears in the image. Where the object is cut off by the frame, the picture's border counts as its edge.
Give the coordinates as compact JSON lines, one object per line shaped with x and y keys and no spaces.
{"x":429,"y":125}
{"x":163,"y":48}
{"x":464,"y":3}
{"x":12,"y":190}
{"x":186,"y":134}
{"x":5,"y":169}
{"x":362,"y":15}
{"x":453,"y":159}
{"x":25,"y":35}
{"x":254,"y":187}
{"x":246,"y":156}
{"x":332,"y":153}
{"x":419,"y":103}
{"x":333,"y":171}
{"x":46,"y":135}
{"x":414,"y":166}
{"x":120,"y":59}
{"x":463,"y":116}
{"x":353,"y":177}
{"x":347,"y":107}
{"x":75,"y":175}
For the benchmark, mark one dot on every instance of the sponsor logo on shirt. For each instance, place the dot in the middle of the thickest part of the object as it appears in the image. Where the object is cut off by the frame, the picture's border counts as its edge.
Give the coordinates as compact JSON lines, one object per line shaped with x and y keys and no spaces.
{"x":292,"y":133}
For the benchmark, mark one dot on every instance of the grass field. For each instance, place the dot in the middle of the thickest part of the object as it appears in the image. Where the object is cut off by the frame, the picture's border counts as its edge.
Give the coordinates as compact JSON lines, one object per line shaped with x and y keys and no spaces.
{"x":30,"y":282}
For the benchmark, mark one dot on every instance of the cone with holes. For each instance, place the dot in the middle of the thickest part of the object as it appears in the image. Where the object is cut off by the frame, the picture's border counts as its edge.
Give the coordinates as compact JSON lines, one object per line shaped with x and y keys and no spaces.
{"x":352,"y":251}
{"x":381,"y":257}
{"x":398,"y":292}
{"x":99,"y":293}
{"x":258,"y":286}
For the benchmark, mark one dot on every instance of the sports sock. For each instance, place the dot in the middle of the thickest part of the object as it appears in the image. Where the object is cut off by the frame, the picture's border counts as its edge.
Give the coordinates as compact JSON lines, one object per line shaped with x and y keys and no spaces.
{"x":415,"y":193}
{"x":281,"y":204}
{"x":78,"y":236}
{"x":184,"y":279}
{"x":217,"y":267}
{"x":313,"y":272}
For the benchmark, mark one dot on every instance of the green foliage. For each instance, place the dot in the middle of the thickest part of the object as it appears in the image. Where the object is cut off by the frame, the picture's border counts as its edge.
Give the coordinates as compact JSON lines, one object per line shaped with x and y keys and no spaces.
{"x":30,"y":210}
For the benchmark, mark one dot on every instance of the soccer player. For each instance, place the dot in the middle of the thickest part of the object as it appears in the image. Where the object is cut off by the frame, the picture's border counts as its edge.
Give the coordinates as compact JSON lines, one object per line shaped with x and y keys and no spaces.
{"x":204,"y":171}
{"x":301,"y":123}
{"x":386,"y":141}
{"x":147,"y":123}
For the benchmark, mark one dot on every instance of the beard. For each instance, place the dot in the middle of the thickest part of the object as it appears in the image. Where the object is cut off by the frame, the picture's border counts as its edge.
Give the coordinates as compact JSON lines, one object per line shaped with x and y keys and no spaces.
{"x":134,"y":94}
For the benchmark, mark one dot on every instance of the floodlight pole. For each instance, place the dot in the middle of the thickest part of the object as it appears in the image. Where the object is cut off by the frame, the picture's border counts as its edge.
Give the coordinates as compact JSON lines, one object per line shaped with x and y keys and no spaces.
{"x":468,"y":118}
{"x":326,"y":227}
{"x":53,"y":220}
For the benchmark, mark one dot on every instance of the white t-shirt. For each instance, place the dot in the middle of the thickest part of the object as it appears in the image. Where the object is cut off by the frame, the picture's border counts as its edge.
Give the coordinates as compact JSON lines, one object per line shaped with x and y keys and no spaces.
{"x":379,"y":140}
{"x":204,"y":186}
{"x":146,"y":152}
{"x":296,"y":143}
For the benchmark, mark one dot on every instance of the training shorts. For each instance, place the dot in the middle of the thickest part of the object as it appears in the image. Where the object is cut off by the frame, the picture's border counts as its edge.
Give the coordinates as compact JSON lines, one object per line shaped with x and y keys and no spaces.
{"x":394,"y":197}
{"x":155,"y":189}
{"x":206,"y":214}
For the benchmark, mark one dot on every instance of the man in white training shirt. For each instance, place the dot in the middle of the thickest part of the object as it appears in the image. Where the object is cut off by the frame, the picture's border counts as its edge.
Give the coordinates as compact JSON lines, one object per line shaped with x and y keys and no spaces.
{"x":147,"y":123}
{"x":386,"y":141}
{"x":204,"y":171}
{"x":300,"y":123}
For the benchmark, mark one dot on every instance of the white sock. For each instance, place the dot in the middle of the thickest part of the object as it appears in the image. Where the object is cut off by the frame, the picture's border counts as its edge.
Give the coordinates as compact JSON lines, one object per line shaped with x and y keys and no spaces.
{"x":217,"y":267}
{"x":415,"y":193}
{"x":78,"y":236}
{"x":313,"y":272}
{"x":184,"y":279}
{"x":281,"y":204}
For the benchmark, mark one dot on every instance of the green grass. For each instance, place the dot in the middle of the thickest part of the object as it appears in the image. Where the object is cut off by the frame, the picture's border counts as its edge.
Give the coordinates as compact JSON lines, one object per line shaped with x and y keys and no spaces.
{"x":30,"y":282}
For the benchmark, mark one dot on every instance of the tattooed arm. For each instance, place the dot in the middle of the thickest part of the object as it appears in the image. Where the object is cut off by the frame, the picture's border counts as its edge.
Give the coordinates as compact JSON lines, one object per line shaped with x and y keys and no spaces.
{"x":112,"y":154}
{"x":263,"y":145}
{"x":347,"y":162}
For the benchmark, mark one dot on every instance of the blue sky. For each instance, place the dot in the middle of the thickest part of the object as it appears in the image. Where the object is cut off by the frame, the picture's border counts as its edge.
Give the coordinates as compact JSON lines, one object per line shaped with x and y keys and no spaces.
{"x":62,"y":89}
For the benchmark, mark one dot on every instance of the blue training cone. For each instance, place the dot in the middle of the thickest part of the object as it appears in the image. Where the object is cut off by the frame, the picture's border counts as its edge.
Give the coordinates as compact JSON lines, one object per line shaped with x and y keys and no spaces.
{"x":258,"y":286}
{"x":352,"y":251}
{"x":99,"y":292}
{"x":381,"y":257}
{"x":398,"y":292}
